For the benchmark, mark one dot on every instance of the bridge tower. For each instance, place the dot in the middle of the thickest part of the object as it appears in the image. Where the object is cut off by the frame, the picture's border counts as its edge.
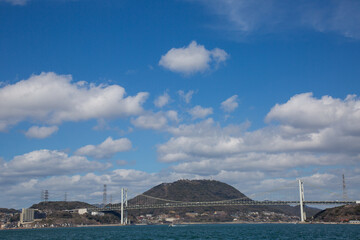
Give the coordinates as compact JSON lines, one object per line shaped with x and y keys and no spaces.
{"x":302,"y":199}
{"x":124,"y":202}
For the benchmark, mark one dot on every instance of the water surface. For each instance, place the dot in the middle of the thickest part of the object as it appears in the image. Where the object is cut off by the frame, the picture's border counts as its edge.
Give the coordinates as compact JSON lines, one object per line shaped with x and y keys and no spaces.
{"x":206,"y":231}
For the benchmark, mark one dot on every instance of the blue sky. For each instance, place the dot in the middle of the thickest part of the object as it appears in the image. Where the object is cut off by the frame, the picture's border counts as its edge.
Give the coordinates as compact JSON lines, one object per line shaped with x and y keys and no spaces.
{"x":134,"y":93}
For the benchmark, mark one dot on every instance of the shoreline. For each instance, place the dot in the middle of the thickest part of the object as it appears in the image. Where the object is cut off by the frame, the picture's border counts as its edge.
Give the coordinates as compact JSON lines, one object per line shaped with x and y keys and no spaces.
{"x":190,"y":223}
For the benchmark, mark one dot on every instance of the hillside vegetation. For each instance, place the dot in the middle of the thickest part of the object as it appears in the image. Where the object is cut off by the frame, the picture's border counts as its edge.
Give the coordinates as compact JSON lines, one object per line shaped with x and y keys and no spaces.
{"x":60,"y":205}
{"x":8,"y":210}
{"x":339,"y":214}
{"x":195,"y":191}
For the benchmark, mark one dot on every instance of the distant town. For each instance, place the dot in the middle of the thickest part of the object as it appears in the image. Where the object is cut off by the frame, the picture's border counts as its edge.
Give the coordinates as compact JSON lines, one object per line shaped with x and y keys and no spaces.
{"x":50,"y":218}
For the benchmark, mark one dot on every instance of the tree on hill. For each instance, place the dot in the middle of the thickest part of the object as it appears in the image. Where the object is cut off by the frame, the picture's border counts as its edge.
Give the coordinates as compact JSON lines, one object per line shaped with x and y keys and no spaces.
{"x":60,"y":205}
{"x":195,"y":191}
{"x":339,"y":214}
{"x":7,"y":210}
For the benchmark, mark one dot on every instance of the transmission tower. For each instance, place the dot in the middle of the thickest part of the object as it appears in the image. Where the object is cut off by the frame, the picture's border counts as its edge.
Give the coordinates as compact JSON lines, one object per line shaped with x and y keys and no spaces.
{"x":46,"y":196}
{"x":104,"y":195}
{"x":344,"y":188}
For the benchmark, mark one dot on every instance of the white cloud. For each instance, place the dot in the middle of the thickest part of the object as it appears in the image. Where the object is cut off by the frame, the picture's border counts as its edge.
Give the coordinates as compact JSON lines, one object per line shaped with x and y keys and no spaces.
{"x":172,"y":115}
{"x":52,"y":99}
{"x":200,"y":112}
{"x":336,"y":16}
{"x":279,"y":163}
{"x":16,"y":2}
{"x":275,"y":155}
{"x":106,"y":149}
{"x":43,"y":163}
{"x":151,"y":121}
{"x":324,"y":115}
{"x":41,"y":132}
{"x":122,"y":162}
{"x":186,"y":96}
{"x":193,"y":58}
{"x":202,"y":128}
{"x":230,"y":104}
{"x":157,"y":121}
{"x":312,"y":132}
{"x":162,"y":100}
{"x":264,"y":16}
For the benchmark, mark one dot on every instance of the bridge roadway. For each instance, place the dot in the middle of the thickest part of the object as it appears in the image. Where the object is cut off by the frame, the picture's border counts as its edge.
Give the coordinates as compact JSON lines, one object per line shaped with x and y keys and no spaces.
{"x":117,"y":207}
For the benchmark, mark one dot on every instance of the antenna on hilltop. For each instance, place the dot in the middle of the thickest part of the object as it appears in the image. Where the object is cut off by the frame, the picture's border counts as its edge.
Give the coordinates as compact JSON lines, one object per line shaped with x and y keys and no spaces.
{"x":344,"y":188}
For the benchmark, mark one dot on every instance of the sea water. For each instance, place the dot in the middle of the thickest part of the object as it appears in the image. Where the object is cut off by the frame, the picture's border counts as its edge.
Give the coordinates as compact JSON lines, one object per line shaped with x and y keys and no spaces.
{"x":205,"y":231}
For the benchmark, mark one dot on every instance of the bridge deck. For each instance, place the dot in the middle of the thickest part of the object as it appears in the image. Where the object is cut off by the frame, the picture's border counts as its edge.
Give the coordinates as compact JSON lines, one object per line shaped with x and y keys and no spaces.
{"x":117,"y":207}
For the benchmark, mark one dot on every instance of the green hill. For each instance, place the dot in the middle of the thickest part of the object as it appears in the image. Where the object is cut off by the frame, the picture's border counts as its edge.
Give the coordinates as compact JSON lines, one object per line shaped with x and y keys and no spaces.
{"x":195,"y":191}
{"x":339,"y":214}
{"x":59,"y":205}
{"x":8,"y":210}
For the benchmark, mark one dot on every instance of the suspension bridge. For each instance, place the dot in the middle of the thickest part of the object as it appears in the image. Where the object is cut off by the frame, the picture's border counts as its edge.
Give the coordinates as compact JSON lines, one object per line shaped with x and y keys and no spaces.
{"x":148,"y":202}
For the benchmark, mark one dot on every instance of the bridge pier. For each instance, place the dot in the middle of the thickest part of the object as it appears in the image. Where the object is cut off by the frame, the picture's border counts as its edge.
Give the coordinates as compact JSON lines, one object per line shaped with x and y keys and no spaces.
{"x":302,"y":199}
{"x":124,"y":201}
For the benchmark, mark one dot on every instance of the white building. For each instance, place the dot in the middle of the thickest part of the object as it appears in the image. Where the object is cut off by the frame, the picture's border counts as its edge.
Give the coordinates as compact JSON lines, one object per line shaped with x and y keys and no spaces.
{"x":27,"y":215}
{"x":82,"y":211}
{"x":354,"y":221}
{"x":97,"y":213}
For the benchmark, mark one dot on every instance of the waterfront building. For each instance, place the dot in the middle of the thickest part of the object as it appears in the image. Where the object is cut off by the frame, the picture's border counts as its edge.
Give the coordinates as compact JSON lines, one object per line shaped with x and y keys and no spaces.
{"x":354,"y":221}
{"x":82,"y":211}
{"x":97,"y":214}
{"x":27,"y":215}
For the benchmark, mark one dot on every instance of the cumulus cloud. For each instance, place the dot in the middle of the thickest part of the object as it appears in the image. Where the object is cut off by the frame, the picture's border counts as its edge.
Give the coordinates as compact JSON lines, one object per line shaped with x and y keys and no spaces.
{"x":54,"y":162}
{"x":230,"y":104}
{"x":172,"y":115}
{"x":106,"y":149}
{"x":150,"y":121}
{"x":193,"y":58}
{"x":41,"y":132}
{"x":52,"y":99}
{"x":186,"y":96}
{"x":311,"y":132}
{"x":155,"y":121}
{"x":306,"y":112}
{"x":264,"y":16}
{"x":253,"y":161}
{"x":200,"y":112}
{"x":162,"y":100}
